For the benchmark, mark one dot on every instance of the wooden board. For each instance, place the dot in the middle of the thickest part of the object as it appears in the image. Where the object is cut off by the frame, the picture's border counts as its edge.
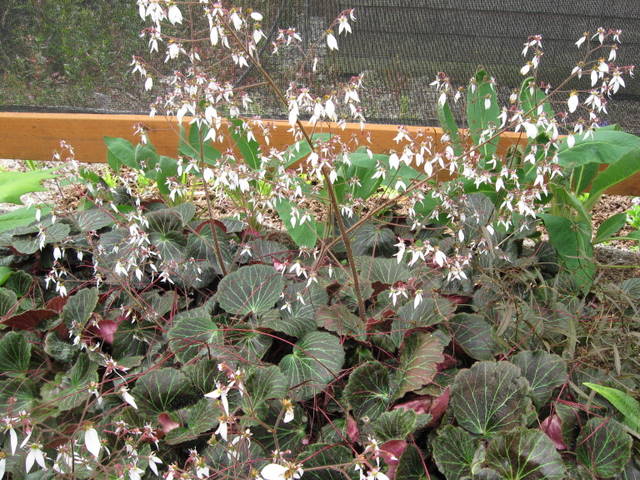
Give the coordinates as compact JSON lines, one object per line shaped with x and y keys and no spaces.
{"x":35,"y":136}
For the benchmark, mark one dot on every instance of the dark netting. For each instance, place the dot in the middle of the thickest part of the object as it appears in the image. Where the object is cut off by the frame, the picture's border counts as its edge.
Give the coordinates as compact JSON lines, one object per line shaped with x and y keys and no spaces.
{"x":402,"y":44}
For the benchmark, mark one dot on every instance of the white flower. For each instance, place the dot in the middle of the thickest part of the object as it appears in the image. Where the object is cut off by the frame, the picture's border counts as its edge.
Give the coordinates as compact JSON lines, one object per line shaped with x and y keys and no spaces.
{"x":256,"y":16}
{"x":127,"y":397}
{"x":581,"y":40}
{"x":135,"y":473}
{"x":92,"y":441}
{"x":273,"y":471}
{"x":487,"y":103}
{"x":332,"y":43}
{"x":573,"y":101}
{"x":221,"y":393}
{"x":439,"y":258}
{"x":35,"y":455}
{"x":174,"y":14}
{"x":288,"y":410}
{"x":153,"y":462}
{"x":148,"y":83}
{"x":531,"y":129}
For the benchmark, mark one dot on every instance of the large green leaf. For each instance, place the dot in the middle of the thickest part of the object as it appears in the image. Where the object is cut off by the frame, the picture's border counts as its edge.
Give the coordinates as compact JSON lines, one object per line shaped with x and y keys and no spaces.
{"x":316,"y":360}
{"x":26,"y":239}
{"x":490,"y":397}
{"x":411,"y":465}
{"x":252,"y":289}
{"x":161,"y":390}
{"x":193,"y":146}
{"x":18,"y":394}
{"x":15,"y":184}
{"x":616,"y":172}
{"x":480,"y":118}
{"x":474,"y":335}
{"x":247,"y":342}
{"x":8,"y":301}
{"x":525,"y":455}
{"x":20,"y":217}
{"x":79,"y":307}
{"x":5,"y":274}
{"x":373,"y":239}
{"x":120,"y":152}
{"x":249,"y":147}
{"x":544,"y":371}
{"x":603,"y":447}
{"x":419,"y":358}
{"x":15,"y":354}
{"x":625,"y":403}
{"x":454,"y":450}
{"x":369,"y":391}
{"x":610,"y":227}
{"x":572,"y":241}
{"x":194,"y":334}
{"x":93,"y":219}
{"x":449,"y":125}
{"x":604,"y":146}
{"x":306,"y":234}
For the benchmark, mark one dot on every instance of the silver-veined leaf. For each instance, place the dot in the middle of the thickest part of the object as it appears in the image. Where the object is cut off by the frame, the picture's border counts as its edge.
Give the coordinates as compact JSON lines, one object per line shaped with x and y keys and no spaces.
{"x":490,"y":397}
{"x":251,"y":289}
{"x":316,"y":360}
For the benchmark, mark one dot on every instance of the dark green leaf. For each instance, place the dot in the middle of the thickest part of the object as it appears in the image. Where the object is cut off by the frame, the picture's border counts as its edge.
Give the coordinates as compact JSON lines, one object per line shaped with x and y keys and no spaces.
{"x":15,"y":354}
{"x":453,"y":451}
{"x":490,"y":397}
{"x":79,"y":307}
{"x":603,"y":447}
{"x":316,"y":360}
{"x":474,"y":335}
{"x":525,"y":455}
{"x":321,"y":455}
{"x":544,"y":371}
{"x":194,"y":335}
{"x":161,"y":390}
{"x":397,"y":424}
{"x":368,"y":391}
{"x":262,"y":384}
{"x":252,"y":289}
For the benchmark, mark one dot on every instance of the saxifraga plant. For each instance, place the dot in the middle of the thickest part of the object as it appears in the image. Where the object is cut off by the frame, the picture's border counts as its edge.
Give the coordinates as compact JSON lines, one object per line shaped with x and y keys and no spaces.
{"x":408,"y":333}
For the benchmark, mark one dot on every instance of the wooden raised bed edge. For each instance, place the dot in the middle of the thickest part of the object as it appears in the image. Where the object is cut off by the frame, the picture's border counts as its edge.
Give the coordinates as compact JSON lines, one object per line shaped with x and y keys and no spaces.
{"x":35,"y":136}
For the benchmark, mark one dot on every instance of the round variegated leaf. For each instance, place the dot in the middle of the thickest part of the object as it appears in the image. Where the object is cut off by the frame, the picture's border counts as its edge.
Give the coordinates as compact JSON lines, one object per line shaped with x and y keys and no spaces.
{"x":474,"y":335}
{"x":454,"y":450}
{"x":383,"y":270}
{"x":316,"y":360}
{"x":15,"y":354}
{"x":369,"y":391}
{"x":603,"y":447}
{"x":194,"y":333}
{"x":411,"y":465}
{"x":252,"y":289}
{"x":545,"y":372}
{"x":161,"y":390}
{"x":490,"y":397}
{"x":525,"y":455}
